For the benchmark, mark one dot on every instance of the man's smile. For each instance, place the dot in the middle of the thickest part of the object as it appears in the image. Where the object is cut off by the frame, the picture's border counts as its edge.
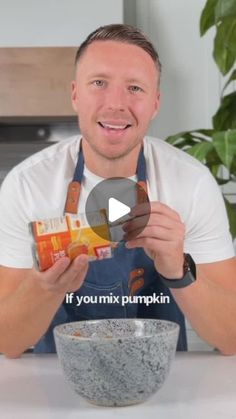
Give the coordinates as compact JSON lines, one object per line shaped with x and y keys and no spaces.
{"x":111,"y":127}
{"x":114,"y":126}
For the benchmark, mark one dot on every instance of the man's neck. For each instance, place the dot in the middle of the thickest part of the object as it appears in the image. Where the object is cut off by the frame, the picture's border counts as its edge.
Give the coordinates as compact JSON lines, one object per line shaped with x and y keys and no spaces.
{"x":105,"y":168}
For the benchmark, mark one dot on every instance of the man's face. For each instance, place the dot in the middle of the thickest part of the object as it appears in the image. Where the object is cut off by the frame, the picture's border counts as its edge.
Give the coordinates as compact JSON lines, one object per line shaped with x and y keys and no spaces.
{"x":115,"y":95}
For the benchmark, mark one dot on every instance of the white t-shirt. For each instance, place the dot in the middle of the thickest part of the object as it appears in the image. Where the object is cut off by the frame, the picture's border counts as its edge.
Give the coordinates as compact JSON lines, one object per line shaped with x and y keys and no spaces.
{"x":36,"y":189}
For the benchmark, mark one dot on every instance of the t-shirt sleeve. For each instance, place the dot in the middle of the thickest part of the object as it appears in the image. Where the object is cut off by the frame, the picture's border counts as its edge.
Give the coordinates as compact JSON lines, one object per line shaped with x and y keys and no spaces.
{"x":15,"y":237}
{"x":208,"y":238}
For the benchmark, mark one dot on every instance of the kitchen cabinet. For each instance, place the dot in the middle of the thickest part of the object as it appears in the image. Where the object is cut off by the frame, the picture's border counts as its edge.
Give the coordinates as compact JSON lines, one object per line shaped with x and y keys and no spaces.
{"x":36,"y":82}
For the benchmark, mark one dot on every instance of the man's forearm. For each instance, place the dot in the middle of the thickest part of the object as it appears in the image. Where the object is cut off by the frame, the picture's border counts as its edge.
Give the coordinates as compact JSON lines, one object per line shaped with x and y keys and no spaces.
{"x":25,"y":316}
{"x":211,"y":310}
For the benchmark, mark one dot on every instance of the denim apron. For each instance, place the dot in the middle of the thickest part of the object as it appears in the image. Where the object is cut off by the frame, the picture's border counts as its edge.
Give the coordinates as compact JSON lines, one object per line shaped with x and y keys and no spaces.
{"x":129,"y":273}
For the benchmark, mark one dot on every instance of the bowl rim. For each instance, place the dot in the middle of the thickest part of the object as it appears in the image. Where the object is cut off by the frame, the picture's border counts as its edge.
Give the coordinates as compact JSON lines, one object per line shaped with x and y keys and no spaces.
{"x":58,"y":333}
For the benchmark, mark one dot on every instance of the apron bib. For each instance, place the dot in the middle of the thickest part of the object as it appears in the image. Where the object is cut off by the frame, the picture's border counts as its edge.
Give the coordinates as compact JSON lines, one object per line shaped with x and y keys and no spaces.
{"x":129,"y":273}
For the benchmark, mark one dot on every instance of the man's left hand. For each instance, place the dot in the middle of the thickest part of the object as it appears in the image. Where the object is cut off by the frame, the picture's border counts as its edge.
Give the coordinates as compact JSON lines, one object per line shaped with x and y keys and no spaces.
{"x":162,"y":237}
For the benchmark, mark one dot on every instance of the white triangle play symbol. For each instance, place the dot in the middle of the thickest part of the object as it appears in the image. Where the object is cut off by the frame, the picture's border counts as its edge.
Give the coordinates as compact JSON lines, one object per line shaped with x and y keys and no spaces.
{"x":116,"y":209}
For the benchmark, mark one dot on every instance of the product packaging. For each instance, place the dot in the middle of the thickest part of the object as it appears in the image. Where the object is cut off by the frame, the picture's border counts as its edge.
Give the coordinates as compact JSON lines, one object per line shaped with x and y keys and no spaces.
{"x":71,"y":236}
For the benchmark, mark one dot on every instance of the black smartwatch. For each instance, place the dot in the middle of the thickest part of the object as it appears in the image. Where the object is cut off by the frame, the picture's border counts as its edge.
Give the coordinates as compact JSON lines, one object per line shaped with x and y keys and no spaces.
{"x":189,"y":274}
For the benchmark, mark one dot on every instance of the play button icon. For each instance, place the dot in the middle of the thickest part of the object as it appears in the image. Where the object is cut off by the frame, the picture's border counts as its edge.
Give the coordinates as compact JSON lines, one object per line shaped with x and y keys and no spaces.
{"x":117,"y":196}
{"x":116,"y":210}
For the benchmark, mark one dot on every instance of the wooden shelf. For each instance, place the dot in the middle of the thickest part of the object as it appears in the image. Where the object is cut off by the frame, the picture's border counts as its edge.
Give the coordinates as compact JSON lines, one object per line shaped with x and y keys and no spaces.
{"x":36,"y":82}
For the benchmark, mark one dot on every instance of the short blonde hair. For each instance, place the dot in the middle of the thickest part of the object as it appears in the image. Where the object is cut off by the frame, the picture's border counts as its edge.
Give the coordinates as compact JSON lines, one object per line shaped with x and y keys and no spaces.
{"x":122,"y":33}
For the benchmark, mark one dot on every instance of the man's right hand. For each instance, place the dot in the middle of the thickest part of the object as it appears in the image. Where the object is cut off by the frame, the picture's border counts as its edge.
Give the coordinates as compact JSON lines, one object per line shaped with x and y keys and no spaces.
{"x":64,"y":276}
{"x":29,"y":300}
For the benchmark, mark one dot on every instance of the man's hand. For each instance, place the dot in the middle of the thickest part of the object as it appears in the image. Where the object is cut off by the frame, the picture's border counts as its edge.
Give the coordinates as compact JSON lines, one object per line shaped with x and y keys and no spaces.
{"x":162,"y":237}
{"x":30,"y":300}
{"x":63,"y":276}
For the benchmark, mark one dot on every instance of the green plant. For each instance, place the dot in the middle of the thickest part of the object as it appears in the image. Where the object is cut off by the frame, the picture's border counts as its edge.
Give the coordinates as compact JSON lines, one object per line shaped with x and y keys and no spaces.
{"x":216,"y":147}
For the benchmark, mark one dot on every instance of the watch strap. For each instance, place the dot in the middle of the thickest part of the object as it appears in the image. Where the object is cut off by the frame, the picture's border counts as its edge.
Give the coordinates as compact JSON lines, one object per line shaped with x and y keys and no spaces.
{"x":188,"y":278}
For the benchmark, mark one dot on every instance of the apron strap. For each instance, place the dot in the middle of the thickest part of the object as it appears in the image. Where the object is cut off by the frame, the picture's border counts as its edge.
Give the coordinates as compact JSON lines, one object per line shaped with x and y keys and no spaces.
{"x":72,"y":199}
{"x":74,"y":187}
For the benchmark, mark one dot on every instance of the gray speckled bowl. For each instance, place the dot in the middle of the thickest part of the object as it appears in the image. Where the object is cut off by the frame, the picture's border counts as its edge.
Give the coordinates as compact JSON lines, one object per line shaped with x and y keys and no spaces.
{"x":116,"y":362}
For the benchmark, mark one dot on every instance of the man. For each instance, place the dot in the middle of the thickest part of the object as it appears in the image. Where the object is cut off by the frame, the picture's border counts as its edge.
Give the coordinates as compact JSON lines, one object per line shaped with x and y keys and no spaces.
{"x":116,"y":94}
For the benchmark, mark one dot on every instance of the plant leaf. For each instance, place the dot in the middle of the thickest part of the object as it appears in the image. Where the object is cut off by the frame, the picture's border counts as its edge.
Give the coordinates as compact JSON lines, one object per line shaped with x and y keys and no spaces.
{"x":207,"y":18}
{"x":221,"y":181}
{"x":225,"y":145}
{"x":231,"y":211}
{"x":225,"y":117}
{"x":225,"y":8}
{"x":189,"y":136}
{"x":213,"y":159}
{"x":200,"y":151}
{"x":214,"y":169}
{"x":225,"y":45}
{"x":233,"y":169}
{"x":172,"y":139}
{"x":207,"y":132}
{"x":232,"y":77}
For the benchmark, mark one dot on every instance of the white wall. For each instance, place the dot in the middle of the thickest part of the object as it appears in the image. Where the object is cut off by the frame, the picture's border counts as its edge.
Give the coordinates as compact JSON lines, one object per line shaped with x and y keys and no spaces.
{"x":54,"y":22}
{"x":190,"y":80}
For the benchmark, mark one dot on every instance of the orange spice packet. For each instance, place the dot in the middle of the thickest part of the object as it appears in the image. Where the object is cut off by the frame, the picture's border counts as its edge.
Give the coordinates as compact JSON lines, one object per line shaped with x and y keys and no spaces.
{"x":71,"y":236}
